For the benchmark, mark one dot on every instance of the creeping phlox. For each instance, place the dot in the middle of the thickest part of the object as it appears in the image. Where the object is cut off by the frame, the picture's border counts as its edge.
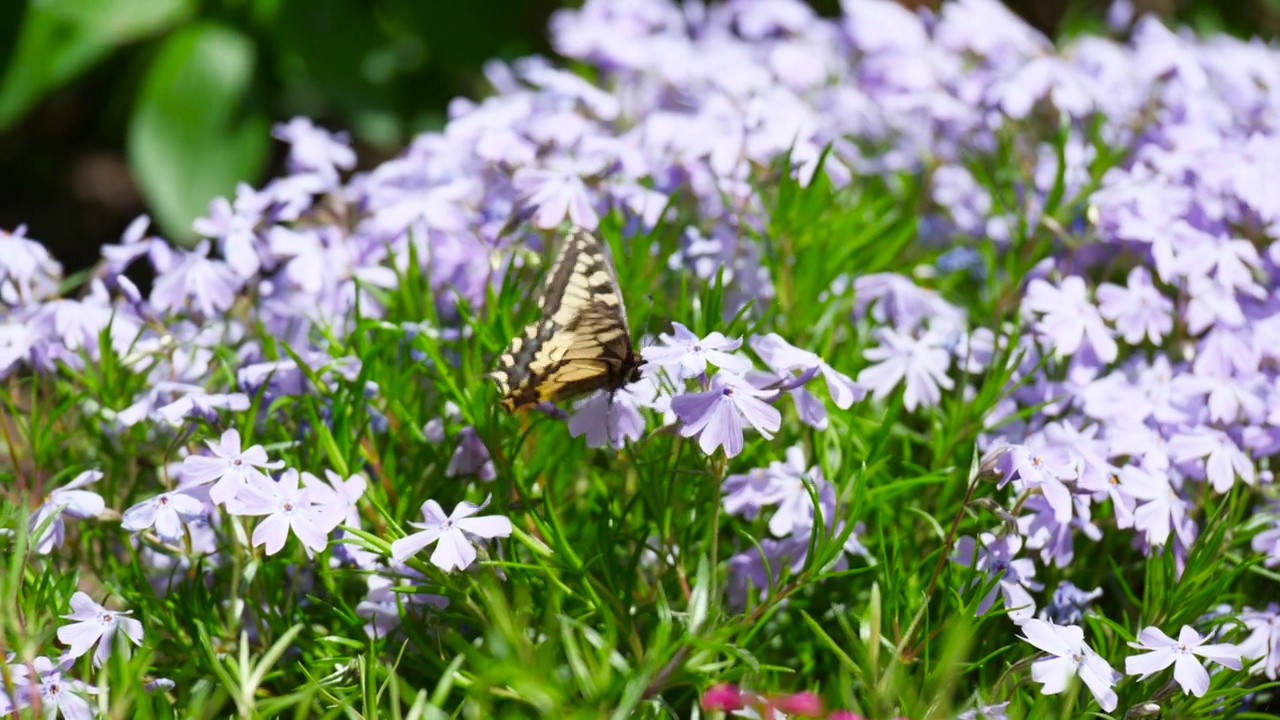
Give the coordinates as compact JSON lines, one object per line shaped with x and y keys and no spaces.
{"x":1137,"y":350}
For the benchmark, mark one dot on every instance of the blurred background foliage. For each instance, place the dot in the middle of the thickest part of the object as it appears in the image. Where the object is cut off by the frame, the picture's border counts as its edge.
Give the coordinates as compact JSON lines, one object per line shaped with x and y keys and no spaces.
{"x":111,"y":108}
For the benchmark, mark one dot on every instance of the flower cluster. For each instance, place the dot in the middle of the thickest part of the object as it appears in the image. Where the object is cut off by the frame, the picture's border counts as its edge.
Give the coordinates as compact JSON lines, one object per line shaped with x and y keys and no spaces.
{"x":721,"y":404}
{"x":1138,"y":352}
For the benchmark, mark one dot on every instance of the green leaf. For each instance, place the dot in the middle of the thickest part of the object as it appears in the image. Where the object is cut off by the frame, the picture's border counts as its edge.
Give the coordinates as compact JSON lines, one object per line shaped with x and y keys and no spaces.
{"x":191,"y":137}
{"x":57,"y":41}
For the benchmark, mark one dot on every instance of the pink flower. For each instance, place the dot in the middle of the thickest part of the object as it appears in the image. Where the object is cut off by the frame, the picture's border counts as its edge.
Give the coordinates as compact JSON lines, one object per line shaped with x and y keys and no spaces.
{"x":722,"y":697}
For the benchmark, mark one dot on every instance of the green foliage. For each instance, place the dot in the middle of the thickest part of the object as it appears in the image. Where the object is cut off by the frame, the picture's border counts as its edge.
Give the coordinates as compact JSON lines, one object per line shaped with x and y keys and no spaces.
{"x":609,"y":599}
{"x":191,"y":113}
{"x":203,"y":80}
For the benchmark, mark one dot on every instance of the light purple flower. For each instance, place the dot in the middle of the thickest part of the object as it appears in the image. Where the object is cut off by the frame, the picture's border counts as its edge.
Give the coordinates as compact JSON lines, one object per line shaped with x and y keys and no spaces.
{"x":1071,"y":656}
{"x":782,"y":357}
{"x":165,"y":512}
{"x":614,"y":418}
{"x":1224,"y":461}
{"x":235,"y":228}
{"x":1267,"y":542}
{"x":386,"y":603}
{"x":196,"y":403}
{"x":337,"y":497}
{"x":69,"y":499}
{"x":159,"y":685}
{"x":470,"y":457}
{"x":1068,"y":603}
{"x":995,"y":557}
{"x":1181,"y":653}
{"x":1139,"y":310}
{"x":314,"y":149}
{"x":27,"y":272}
{"x":1068,"y":319}
{"x":1043,"y":468}
{"x":691,"y":354}
{"x":999,"y":711}
{"x":454,"y":549}
{"x":716,"y":416}
{"x":208,"y":286}
{"x":1263,"y":642}
{"x":748,"y":493}
{"x":1161,"y":510}
{"x":230,"y":468}
{"x":921,"y":362}
{"x":288,"y":507}
{"x":60,"y":694}
{"x":556,"y":194}
{"x":96,"y":624}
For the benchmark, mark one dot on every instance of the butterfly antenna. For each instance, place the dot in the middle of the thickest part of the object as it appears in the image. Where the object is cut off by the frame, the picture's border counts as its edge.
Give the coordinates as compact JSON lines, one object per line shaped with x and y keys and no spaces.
{"x":648,"y":318}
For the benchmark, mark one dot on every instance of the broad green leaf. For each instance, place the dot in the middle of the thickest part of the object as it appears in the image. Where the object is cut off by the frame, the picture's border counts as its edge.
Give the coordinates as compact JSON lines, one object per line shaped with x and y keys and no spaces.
{"x":57,"y":41}
{"x":191,"y":137}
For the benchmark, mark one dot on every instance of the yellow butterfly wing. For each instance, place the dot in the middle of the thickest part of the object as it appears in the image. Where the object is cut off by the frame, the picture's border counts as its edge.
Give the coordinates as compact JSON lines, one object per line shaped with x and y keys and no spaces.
{"x":582,"y":342}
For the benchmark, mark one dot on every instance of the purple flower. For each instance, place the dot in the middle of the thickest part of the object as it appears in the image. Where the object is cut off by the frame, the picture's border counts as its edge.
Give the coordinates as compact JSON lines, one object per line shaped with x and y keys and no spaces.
{"x":1223,"y":459}
{"x":782,"y":357}
{"x":210,"y":286}
{"x":314,"y":149}
{"x":165,"y":512}
{"x":756,"y":568}
{"x":995,"y":558}
{"x":1263,"y":642}
{"x":1068,"y":603}
{"x":921,"y":362}
{"x":1068,"y":319}
{"x":46,"y":524}
{"x":999,"y":711}
{"x":454,"y":549}
{"x":231,"y":467}
{"x":337,"y":497}
{"x":470,"y":457}
{"x":1043,"y":468}
{"x":289,"y":509}
{"x":60,"y":694}
{"x":16,"y":340}
{"x":159,"y":684}
{"x":1162,"y":508}
{"x":27,"y":272}
{"x":716,"y":416}
{"x":790,"y":489}
{"x":1053,"y":538}
{"x":1138,"y":310}
{"x":1070,"y":656}
{"x":386,"y":603}
{"x":235,"y":228}
{"x":96,"y":624}
{"x":556,"y":194}
{"x":1181,"y":654}
{"x":614,"y":418}
{"x":1267,"y":542}
{"x":691,"y":355}
{"x":746,"y":494}
{"x":196,"y":403}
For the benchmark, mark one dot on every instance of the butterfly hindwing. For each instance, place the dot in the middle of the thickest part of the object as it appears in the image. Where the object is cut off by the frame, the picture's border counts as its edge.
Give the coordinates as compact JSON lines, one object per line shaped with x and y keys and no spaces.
{"x":581,"y":343}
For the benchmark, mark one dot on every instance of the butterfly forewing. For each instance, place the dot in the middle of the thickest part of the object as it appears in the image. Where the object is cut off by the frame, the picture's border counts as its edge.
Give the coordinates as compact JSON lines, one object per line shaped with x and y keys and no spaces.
{"x":581,"y":343}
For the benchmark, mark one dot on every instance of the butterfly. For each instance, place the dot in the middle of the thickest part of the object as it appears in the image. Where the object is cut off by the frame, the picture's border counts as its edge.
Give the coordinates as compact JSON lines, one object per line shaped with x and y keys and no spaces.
{"x":582,"y":342}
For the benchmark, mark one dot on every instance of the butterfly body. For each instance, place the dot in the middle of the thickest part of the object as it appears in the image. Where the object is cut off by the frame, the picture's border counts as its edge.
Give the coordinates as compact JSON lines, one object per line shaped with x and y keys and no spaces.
{"x":581,"y":343}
